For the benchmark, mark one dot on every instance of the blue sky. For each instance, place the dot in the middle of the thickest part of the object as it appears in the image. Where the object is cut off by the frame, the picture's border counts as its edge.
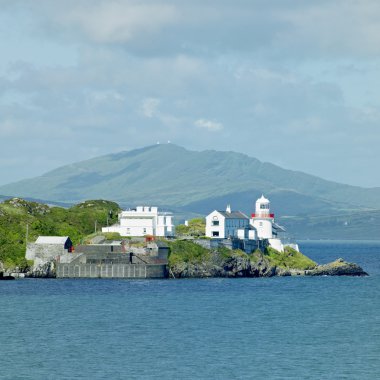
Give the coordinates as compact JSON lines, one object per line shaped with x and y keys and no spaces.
{"x":295,"y":83}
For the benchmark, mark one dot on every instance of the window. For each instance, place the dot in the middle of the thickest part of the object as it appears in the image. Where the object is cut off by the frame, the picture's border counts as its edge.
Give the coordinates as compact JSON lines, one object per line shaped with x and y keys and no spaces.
{"x":144,"y":231}
{"x":215,"y":222}
{"x":215,"y":233}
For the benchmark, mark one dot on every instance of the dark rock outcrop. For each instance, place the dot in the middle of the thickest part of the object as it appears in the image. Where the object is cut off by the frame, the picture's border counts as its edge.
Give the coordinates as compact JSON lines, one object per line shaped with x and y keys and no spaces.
{"x":337,"y":268}
{"x":239,"y":266}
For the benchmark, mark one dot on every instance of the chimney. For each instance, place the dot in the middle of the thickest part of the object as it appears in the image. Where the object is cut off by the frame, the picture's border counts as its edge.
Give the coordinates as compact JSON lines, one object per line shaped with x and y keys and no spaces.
{"x":228,"y":209}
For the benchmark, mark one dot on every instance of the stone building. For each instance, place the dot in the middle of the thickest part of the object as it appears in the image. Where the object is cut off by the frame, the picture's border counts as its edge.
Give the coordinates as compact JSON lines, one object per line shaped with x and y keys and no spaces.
{"x":48,"y":248}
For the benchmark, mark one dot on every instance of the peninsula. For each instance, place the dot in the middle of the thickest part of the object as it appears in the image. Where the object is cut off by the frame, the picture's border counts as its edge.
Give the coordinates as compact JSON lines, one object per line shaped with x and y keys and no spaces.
{"x":54,"y":237}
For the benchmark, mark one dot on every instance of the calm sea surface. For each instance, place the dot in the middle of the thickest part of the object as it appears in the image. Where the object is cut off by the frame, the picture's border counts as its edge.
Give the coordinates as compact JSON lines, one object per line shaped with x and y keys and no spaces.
{"x":276,"y":328}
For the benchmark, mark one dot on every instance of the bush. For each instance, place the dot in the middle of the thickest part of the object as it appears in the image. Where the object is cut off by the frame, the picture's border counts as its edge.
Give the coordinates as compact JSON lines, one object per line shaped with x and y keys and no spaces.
{"x":112,"y":236}
{"x":187,"y":251}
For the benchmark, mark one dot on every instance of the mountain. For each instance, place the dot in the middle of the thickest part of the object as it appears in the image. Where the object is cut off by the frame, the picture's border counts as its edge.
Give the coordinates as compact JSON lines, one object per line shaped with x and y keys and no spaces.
{"x":170,"y":176}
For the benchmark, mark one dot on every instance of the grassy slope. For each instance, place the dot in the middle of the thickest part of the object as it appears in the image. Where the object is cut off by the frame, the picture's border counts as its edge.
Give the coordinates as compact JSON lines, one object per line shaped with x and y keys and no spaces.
{"x":76,"y":222}
{"x":289,"y":259}
{"x":188,"y":252}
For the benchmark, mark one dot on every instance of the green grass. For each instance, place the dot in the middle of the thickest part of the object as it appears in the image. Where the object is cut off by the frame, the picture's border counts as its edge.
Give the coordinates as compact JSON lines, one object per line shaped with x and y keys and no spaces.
{"x":226,"y":253}
{"x":187,"y":251}
{"x":289,"y":259}
{"x":195,"y":228}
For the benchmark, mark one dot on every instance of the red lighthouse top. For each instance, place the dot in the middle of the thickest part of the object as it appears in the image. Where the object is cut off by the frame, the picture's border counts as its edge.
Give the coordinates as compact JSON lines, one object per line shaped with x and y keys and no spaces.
{"x":262,"y":215}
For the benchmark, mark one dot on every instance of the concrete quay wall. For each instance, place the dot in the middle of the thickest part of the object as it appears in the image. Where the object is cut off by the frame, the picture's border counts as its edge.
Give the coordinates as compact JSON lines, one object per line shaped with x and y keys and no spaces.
{"x":65,"y":270}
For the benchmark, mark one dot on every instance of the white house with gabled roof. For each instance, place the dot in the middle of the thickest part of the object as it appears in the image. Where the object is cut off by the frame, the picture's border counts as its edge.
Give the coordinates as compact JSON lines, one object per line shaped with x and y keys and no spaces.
{"x":225,"y":224}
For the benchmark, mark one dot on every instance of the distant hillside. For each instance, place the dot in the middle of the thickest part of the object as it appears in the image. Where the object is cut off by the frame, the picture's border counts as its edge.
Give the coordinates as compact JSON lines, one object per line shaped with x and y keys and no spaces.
{"x":169,"y":175}
{"x":194,"y":183}
{"x":359,"y":225}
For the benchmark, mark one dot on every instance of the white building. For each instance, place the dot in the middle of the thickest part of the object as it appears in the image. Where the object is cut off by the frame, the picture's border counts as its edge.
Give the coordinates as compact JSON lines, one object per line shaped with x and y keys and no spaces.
{"x":261,"y":226}
{"x":263,"y":221}
{"x":143,"y":221}
{"x":225,"y":224}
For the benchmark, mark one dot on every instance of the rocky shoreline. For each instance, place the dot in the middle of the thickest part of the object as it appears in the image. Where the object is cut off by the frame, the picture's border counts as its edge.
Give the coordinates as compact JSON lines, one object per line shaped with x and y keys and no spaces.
{"x":231,"y":264}
{"x":240,"y":266}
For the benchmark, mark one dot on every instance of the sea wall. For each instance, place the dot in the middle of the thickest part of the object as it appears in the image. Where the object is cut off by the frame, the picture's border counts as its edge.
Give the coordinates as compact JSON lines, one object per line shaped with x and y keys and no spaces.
{"x":110,"y":271}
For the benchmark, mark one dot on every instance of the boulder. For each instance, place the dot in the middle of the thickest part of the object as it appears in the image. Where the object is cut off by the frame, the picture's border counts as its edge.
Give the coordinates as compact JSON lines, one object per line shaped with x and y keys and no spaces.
{"x":46,"y":270}
{"x":338,"y":267}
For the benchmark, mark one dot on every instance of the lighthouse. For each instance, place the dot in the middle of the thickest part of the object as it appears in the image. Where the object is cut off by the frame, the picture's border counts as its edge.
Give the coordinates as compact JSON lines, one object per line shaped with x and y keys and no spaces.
{"x":262,"y":220}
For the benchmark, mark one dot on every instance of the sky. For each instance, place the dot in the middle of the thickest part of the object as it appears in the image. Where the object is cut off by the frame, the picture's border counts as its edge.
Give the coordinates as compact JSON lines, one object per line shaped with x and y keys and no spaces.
{"x":295,"y":83}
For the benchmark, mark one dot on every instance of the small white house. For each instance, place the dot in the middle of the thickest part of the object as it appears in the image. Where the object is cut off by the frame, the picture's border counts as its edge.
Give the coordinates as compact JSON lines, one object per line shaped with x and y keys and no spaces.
{"x":47,"y":248}
{"x":225,"y":224}
{"x":142,"y":221}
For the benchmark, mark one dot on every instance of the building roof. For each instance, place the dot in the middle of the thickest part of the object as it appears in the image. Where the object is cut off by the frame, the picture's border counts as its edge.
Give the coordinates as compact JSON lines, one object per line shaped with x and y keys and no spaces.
{"x":52,"y":240}
{"x":262,"y":199}
{"x":233,"y":215}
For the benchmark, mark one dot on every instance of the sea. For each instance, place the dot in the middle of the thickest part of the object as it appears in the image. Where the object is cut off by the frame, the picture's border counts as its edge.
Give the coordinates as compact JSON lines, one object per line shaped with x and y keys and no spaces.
{"x":249,"y":328}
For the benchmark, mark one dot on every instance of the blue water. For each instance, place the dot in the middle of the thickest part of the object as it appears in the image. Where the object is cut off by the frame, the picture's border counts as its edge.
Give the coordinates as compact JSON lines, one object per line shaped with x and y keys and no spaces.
{"x":275,"y":328}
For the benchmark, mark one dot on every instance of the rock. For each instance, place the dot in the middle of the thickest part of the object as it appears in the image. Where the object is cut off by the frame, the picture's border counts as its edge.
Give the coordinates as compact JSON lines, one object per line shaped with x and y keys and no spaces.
{"x":338,"y":267}
{"x":47,"y":270}
{"x":262,"y":268}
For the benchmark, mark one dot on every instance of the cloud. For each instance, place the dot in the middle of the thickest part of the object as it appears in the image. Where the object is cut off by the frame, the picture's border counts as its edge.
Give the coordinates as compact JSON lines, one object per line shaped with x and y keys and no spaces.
{"x":149,"y":107}
{"x":210,"y":125}
{"x":118,"y":21}
{"x":338,"y":28}
{"x":305,"y":74}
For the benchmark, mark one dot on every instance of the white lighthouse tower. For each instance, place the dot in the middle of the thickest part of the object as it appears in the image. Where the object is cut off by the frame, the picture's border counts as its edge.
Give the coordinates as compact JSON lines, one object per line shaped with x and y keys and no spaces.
{"x":262,"y":219}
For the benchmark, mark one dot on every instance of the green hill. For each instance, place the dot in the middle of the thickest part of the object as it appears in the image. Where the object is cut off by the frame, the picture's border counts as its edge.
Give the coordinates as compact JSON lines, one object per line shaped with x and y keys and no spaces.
{"x":194,"y":183}
{"x":21,"y":220}
{"x":173,"y":176}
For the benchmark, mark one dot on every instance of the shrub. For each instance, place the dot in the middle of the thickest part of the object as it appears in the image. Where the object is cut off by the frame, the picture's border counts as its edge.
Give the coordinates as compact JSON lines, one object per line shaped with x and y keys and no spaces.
{"x":187,"y":251}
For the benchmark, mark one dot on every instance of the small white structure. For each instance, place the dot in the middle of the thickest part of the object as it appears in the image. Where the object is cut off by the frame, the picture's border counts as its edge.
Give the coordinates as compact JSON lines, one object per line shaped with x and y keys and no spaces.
{"x":226,"y":224}
{"x":48,"y":248}
{"x":143,"y":221}
{"x":263,"y":221}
